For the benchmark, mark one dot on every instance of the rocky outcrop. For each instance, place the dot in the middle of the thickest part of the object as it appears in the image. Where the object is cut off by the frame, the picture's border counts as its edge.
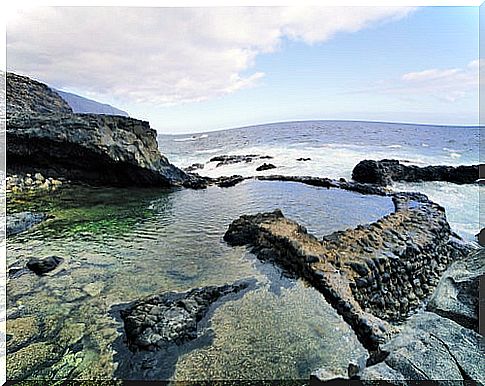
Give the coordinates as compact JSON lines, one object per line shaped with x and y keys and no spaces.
{"x":83,"y":105}
{"x":29,"y":96}
{"x":172,"y":317}
{"x":385,"y":171}
{"x":232,"y":159}
{"x":45,"y":136}
{"x":304,"y":159}
{"x":374,"y":273}
{"x":265,"y":166}
{"x":194,"y":167}
{"x":20,"y":222}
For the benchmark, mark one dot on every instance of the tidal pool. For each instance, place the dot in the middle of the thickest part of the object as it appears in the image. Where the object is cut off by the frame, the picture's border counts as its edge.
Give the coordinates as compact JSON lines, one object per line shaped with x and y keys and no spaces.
{"x":123,"y":244}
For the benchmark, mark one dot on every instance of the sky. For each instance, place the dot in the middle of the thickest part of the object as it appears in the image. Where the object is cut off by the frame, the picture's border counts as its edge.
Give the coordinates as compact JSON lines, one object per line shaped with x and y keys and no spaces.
{"x":189,"y":70}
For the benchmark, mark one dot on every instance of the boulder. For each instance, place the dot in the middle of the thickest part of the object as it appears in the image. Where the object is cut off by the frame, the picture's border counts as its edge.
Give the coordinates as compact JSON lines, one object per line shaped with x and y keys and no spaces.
{"x":385,"y":171}
{"x":20,"y":222}
{"x":232,"y":159}
{"x":456,"y":296}
{"x":44,"y":265}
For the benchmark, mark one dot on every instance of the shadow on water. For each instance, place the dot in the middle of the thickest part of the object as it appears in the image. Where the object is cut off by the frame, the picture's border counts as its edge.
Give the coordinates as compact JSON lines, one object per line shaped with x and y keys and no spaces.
{"x":160,"y":364}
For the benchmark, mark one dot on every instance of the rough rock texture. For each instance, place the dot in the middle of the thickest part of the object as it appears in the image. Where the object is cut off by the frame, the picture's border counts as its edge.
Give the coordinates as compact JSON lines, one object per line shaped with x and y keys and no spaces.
{"x":44,"y":136}
{"x":369,"y":274}
{"x":431,"y":347}
{"x":385,"y":171}
{"x":45,"y":265}
{"x":232,"y":159}
{"x":25,"y":95}
{"x":265,"y":166}
{"x":171,"y":318}
{"x":456,"y":296}
{"x":99,"y":149}
{"x":20,"y":222}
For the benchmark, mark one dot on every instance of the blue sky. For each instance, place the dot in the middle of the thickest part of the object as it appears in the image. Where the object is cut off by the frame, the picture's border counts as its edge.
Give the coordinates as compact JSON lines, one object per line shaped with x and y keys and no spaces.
{"x":416,"y":65}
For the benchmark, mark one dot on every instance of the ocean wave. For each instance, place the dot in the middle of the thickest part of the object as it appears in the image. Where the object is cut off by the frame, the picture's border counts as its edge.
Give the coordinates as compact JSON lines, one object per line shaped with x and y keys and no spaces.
{"x":394,"y":146}
{"x":210,"y":151}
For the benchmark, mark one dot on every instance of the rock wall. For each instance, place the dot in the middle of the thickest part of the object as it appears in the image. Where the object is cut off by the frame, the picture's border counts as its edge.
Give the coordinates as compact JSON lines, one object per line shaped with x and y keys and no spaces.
{"x":371,"y":274}
{"x":44,"y":136}
{"x":385,"y":171}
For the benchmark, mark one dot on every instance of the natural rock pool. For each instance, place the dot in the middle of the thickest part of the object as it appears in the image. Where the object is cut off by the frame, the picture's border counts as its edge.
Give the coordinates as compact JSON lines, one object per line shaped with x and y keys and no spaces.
{"x":122,"y":244}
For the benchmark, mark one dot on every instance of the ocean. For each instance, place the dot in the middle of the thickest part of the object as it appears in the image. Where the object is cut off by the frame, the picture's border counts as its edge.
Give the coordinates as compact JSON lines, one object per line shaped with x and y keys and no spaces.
{"x":335,"y":147}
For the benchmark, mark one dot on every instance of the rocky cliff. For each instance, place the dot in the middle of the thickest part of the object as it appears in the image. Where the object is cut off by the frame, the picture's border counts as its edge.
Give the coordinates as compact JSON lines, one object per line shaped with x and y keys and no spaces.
{"x":44,"y":135}
{"x":83,"y":105}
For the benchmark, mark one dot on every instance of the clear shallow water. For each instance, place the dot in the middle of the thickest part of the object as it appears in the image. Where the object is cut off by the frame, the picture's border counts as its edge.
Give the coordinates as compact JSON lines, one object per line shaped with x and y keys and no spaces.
{"x":120,"y":245}
{"x":335,"y":147}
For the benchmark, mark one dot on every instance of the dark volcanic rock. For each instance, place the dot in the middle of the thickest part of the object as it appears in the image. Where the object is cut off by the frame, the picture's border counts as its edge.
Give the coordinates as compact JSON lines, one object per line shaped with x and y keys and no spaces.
{"x":303,"y":159}
{"x":265,"y":166}
{"x":20,"y":222}
{"x":45,"y":136}
{"x":25,"y":95}
{"x":171,"y":318}
{"x":193,"y":167}
{"x":227,"y":182}
{"x":42,"y":266}
{"x":232,"y":159}
{"x":456,"y":296}
{"x":385,"y":171}
{"x":371,"y":273}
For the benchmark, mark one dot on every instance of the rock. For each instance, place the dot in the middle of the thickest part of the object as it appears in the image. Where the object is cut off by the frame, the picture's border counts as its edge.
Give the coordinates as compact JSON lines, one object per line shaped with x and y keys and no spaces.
{"x":51,"y":140}
{"x":385,"y":171}
{"x":339,"y":265}
{"x":481,"y":237}
{"x":456,"y":296}
{"x":45,"y":265}
{"x":26,"y":95}
{"x":382,"y":372}
{"x":226,"y":182}
{"x":193,"y":167}
{"x":232,"y":159}
{"x":265,"y":166}
{"x":20,"y":331}
{"x":170,"y":318}
{"x":22,"y":363}
{"x":20,"y":222}
{"x":431,"y":347}
{"x":303,"y":159}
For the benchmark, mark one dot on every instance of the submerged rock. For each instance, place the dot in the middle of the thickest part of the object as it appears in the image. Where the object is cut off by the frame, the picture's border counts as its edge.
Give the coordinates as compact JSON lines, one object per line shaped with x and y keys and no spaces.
{"x":303,"y":159}
{"x":385,"y":171}
{"x":265,"y":166}
{"x":20,"y":222}
{"x":45,"y":265}
{"x":171,"y":318}
{"x":227,"y":182}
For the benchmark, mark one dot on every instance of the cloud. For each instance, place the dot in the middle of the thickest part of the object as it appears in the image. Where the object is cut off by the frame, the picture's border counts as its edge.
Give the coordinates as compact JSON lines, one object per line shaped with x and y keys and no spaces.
{"x":445,"y":84}
{"x":168,"y":55}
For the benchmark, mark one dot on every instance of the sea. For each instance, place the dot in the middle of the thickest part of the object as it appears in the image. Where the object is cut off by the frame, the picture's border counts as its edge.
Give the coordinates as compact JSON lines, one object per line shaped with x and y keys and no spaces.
{"x":120,"y":245}
{"x":335,"y":147}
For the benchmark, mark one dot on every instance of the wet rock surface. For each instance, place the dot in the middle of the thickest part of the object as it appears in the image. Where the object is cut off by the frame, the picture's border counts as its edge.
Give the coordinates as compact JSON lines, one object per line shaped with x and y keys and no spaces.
{"x":44,"y":265}
{"x":265,"y":166}
{"x":193,"y":167}
{"x":371,"y":274}
{"x":20,"y":222}
{"x":232,"y":159}
{"x":36,"y":183}
{"x":161,"y":327}
{"x":385,"y":171}
{"x":172,"y":317}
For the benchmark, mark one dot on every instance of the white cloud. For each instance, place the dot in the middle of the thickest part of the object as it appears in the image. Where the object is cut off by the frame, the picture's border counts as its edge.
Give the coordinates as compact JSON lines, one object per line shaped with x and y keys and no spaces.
{"x":167,"y":55}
